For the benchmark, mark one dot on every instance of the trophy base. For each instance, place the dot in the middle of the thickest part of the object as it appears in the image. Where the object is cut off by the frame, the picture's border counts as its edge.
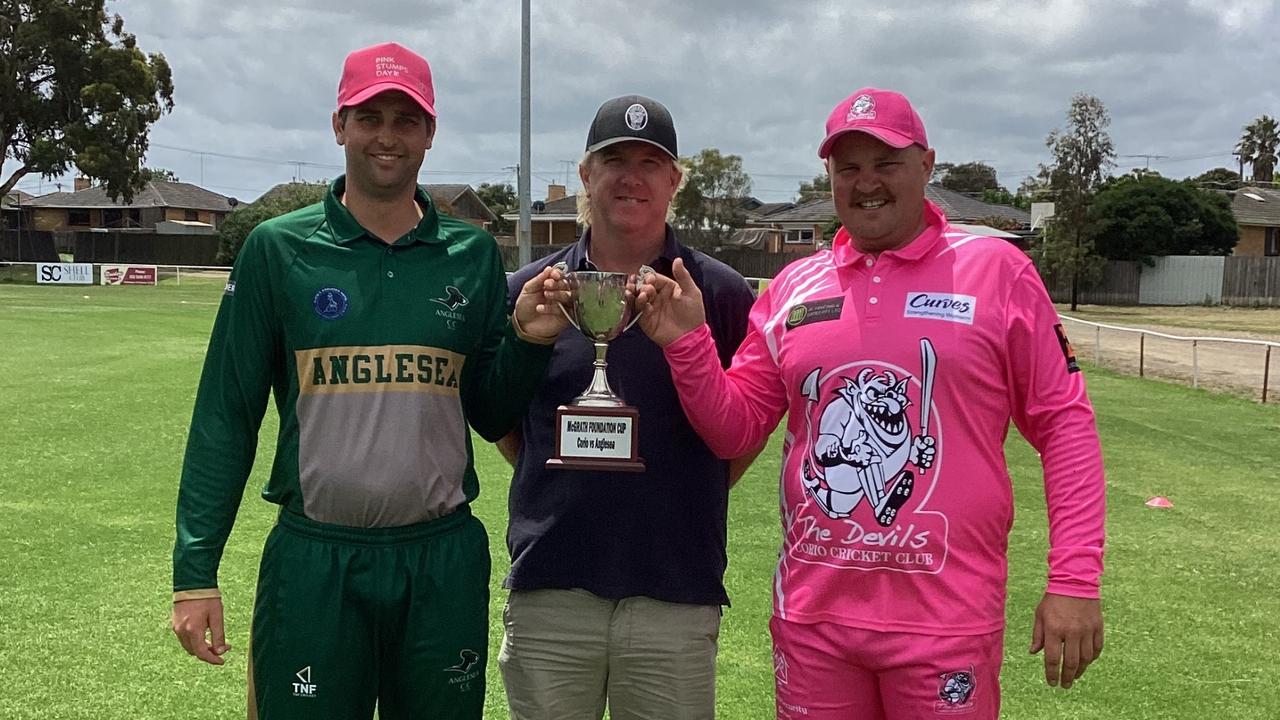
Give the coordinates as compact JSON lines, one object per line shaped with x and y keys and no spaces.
{"x":596,"y":438}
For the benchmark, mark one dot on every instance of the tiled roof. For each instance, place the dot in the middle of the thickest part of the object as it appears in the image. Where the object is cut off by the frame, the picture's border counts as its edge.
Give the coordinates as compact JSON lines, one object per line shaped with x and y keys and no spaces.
{"x":157,"y":193}
{"x":447,"y":192}
{"x":1256,"y":206}
{"x":956,"y":206}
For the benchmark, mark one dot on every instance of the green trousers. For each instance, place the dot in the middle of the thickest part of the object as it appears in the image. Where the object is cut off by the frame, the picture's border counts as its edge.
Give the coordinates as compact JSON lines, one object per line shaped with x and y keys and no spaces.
{"x":349,"y":618}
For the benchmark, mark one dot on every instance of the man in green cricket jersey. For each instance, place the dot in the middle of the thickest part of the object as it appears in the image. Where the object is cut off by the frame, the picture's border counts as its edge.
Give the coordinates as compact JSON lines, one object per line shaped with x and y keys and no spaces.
{"x":381,"y":327}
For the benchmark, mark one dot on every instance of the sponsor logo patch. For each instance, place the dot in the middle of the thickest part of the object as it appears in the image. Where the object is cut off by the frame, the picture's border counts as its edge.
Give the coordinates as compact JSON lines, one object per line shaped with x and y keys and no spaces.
{"x":304,"y":687}
{"x":230,"y":289}
{"x":780,"y":669}
{"x":940,"y":306}
{"x":1068,"y":352}
{"x":814,"y":312}
{"x":330,"y":303}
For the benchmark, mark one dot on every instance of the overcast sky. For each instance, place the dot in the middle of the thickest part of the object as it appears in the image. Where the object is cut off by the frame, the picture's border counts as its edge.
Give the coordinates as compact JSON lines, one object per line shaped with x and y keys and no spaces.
{"x":257,"y":79}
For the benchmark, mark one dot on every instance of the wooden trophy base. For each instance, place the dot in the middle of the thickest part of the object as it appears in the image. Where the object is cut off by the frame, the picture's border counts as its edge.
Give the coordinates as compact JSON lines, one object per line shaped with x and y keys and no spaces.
{"x":596,"y":438}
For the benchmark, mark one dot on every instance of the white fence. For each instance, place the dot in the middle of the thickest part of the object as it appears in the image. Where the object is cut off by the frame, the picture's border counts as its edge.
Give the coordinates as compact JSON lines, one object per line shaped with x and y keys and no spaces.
{"x":30,"y":272}
{"x":1234,"y":364}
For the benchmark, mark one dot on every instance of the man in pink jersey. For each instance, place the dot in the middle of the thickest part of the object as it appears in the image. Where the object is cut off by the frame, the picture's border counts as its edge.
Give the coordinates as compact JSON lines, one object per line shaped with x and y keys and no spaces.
{"x":899,"y":357}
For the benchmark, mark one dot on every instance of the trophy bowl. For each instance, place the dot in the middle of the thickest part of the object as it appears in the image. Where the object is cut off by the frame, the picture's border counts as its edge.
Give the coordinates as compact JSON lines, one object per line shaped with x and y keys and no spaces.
{"x":600,"y":307}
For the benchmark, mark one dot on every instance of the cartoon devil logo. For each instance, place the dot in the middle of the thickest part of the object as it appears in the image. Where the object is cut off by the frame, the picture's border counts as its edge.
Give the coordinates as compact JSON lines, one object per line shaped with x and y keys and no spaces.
{"x":864,"y":441}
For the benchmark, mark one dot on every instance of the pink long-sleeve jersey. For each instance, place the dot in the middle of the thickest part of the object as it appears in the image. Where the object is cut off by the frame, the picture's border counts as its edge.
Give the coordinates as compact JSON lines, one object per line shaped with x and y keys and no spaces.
{"x":899,"y":374}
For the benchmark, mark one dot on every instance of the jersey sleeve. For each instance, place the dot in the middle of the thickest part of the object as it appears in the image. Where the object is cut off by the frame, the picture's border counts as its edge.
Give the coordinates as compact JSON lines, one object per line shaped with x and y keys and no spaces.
{"x":1051,"y":409}
{"x":735,"y":410}
{"x":243,"y":358}
{"x":504,"y":371}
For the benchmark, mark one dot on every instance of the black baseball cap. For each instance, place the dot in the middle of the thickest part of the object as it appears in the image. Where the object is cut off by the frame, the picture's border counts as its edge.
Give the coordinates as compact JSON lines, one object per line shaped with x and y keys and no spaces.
{"x":633,"y":117}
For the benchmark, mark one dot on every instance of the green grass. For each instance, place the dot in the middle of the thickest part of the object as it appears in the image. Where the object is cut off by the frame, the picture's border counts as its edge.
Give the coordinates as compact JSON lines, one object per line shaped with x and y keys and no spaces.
{"x":94,"y":405}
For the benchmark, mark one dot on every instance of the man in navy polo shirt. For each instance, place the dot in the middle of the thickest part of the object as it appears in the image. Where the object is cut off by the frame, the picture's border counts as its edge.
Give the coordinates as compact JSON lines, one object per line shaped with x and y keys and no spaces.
{"x":617,"y":578}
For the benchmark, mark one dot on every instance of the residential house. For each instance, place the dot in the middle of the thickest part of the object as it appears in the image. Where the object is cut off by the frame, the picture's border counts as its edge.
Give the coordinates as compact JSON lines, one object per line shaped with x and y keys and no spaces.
{"x":158,"y":201}
{"x":462,"y":202}
{"x":806,"y":224}
{"x":459,"y":201}
{"x":553,"y":221}
{"x":1257,"y":212}
{"x":12,"y":208}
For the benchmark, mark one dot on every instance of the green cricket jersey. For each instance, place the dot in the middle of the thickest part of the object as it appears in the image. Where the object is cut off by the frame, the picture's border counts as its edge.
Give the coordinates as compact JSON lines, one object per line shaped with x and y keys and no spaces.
{"x":379,"y":357}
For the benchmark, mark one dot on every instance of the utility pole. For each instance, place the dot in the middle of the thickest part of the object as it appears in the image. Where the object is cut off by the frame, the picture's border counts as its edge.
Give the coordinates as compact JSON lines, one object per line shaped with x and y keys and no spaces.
{"x":524,"y":241}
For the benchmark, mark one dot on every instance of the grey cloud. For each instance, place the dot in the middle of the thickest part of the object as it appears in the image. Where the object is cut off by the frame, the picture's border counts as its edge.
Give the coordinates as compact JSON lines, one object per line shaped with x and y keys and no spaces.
{"x":751,"y":77}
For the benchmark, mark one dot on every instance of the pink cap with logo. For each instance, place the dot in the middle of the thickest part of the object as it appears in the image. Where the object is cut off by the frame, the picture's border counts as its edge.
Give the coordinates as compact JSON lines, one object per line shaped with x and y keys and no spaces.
{"x":883,"y":114}
{"x":380,"y":68}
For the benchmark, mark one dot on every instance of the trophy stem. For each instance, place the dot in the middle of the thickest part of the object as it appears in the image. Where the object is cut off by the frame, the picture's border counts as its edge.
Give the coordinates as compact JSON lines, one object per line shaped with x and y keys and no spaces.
{"x":598,"y":393}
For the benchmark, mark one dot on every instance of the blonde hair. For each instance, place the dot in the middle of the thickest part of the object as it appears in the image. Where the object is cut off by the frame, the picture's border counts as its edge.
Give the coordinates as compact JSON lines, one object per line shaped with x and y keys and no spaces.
{"x":584,"y":200}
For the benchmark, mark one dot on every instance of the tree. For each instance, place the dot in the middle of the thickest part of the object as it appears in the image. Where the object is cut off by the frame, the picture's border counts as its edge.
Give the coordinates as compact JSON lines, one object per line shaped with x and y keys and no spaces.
{"x":237,"y":225}
{"x":1081,"y":156}
{"x":1139,"y":218}
{"x":1000,"y":196}
{"x":714,"y":186}
{"x":971,"y":177}
{"x":1057,"y":254}
{"x":75,"y":90}
{"x":818,"y":188}
{"x":1218,"y":178}
{"x":1258,"y":147}
{"x":501,"y":199}
{"x":149,"y":174}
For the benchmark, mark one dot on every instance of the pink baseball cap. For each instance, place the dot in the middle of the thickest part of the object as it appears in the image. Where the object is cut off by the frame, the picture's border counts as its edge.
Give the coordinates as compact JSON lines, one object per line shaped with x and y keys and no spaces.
{"x":883,"y":114}
{"x":389,"y":66}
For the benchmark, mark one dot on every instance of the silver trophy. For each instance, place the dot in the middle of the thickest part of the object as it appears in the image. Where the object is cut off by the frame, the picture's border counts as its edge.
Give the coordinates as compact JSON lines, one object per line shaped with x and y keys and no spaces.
{"x":597,"y":430}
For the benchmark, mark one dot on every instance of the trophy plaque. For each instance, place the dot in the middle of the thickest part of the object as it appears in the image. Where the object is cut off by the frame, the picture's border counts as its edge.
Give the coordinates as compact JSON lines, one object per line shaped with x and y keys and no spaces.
{"x":597,"y":430}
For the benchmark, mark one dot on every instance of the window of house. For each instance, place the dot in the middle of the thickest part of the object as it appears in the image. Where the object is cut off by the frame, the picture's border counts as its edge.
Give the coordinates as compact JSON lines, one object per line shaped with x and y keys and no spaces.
{"x":191,"y":215}
{"x":800,"y":237}
{"x":112,"y":218}
{"x":1272,"y":246}
{"x":78,"y":218}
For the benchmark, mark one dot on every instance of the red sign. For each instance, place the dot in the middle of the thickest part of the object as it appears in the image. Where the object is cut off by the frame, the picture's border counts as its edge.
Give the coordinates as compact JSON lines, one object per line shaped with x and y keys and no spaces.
{"x":129,"y":274}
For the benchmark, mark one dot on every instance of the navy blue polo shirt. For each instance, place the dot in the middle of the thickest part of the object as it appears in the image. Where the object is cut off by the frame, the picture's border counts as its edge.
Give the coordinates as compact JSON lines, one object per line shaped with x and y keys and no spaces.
{"x":659,"y":533}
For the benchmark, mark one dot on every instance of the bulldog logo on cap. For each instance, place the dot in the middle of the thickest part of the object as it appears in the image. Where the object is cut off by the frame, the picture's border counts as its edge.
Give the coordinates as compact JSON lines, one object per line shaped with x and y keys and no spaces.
{"x":637,"y":117}
{"x":863,"y":108}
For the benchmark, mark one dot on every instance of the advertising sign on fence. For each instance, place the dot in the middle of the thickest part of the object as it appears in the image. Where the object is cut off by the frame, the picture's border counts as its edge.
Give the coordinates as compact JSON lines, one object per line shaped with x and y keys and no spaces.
{"x":64,"y":273}
{"x":129,"y":274}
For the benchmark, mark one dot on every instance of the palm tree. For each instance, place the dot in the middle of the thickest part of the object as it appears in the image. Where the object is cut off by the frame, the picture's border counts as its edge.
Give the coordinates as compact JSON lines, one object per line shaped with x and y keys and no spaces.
{"x":1258,"y":147}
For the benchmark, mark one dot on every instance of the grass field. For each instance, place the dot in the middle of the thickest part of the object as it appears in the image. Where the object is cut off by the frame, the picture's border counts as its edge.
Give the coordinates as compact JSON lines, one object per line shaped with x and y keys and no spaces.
{"x":94,"y":405}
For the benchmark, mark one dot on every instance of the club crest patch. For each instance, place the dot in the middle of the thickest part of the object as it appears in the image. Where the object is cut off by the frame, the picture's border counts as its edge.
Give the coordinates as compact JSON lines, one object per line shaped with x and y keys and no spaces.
{"x":955,"y":691}
{"x":862,"y":108}
{"x":453,"y":298}
{"x":330,"y":303}
{"x":637,"y":117}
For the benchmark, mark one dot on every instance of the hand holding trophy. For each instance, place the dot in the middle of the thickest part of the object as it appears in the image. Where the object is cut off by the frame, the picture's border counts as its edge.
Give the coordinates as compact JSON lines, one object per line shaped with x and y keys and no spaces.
{"x":597,"y":431}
